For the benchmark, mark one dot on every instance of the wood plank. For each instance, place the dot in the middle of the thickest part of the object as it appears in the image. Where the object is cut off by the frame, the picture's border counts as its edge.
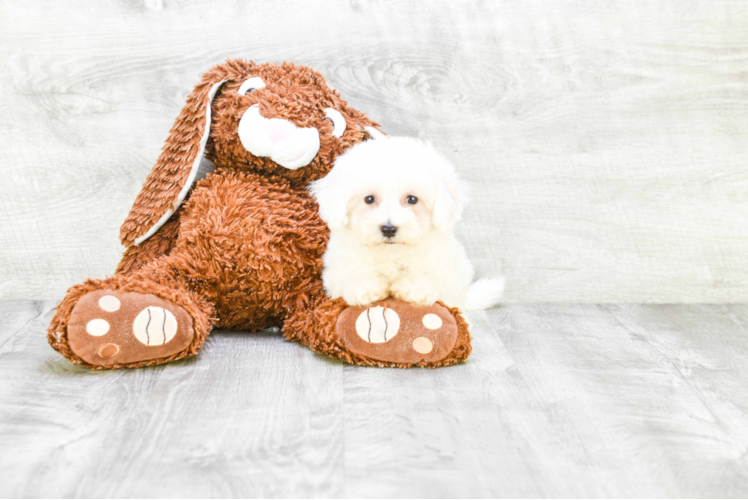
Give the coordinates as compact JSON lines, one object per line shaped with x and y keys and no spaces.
{"x":604,"y":141}
{"x":557,"y":400}
{"x":531,"y":414}
{"x":251,"y":416}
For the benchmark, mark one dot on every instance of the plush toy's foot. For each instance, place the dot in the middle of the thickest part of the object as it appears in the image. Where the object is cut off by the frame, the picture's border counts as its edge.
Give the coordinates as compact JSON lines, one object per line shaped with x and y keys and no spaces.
{"x":112,"y":328}
{"x":401,"y":334}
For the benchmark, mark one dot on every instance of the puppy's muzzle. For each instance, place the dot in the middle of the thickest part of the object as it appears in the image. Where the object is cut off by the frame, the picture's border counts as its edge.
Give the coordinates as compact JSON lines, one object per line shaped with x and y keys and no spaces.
{"x":388,"y":230}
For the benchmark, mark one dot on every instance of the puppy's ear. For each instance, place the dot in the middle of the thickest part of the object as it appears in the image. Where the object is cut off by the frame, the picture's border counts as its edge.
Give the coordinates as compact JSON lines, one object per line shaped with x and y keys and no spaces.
{"x":171,"y":178}
{"x":451,"y":197}
{"x":331,"y":197}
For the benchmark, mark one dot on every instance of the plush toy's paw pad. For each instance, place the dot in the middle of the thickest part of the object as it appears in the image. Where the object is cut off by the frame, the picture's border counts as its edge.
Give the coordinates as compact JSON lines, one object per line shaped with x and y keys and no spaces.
{"x":109,"y":327}
{"x":393,"y":331}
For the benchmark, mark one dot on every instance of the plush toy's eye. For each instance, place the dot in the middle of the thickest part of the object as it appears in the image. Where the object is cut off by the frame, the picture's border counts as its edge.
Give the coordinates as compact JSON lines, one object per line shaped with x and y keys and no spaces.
{"x":338,"y":122}
{"x":369,"y":200}
{"x":412,"y":200}
{"x":250,"y":85}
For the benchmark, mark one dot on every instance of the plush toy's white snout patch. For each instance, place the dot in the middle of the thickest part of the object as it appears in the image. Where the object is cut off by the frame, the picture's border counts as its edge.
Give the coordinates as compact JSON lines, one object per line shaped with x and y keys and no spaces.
{"x":283,"y":142}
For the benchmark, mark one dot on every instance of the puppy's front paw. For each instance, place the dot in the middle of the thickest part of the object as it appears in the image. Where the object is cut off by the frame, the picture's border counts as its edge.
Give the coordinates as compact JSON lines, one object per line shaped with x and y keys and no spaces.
{"x":418,"y":292}
{"x":366,"y":292}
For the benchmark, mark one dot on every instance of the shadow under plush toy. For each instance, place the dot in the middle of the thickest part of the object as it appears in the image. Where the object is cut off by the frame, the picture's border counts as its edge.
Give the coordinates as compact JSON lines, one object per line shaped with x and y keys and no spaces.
{"x":242,"y":250}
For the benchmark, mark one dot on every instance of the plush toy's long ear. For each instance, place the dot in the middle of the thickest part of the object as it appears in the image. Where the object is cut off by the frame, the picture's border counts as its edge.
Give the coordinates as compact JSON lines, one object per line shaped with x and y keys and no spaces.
{"x":176,"y":167}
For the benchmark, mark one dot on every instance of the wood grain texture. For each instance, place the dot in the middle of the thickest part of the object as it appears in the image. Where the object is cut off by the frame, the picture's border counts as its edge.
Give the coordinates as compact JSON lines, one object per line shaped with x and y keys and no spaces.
{"x":605,"y":141}
{"x":556,"y":401}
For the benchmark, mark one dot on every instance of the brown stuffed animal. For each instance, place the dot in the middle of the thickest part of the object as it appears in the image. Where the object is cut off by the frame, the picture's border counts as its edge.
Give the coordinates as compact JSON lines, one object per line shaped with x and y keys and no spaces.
{"x":242,"y":250}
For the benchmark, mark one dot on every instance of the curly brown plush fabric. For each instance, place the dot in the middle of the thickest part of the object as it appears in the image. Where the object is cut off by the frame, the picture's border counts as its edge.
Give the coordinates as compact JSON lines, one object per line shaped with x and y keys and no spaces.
{"x":158,"y":245}
{"x":244,"y":250}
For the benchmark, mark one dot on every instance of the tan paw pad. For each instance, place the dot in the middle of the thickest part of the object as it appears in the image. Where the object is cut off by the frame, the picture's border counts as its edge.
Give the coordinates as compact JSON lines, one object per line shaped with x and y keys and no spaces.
{"x":394,"y":331}
{"x":110,"y":327}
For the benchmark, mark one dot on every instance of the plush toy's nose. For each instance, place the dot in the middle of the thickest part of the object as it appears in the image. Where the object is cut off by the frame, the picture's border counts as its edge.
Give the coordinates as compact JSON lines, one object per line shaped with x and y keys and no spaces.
{"x":279,"y":129}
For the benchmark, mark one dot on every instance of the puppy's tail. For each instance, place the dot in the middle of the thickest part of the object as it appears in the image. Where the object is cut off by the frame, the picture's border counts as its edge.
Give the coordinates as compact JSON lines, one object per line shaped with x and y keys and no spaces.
{"x":484,"y":293}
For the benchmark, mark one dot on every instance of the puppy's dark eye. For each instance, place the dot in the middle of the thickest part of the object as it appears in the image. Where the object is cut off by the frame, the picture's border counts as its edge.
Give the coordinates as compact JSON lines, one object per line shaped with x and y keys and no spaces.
{"x":412,"y":200}
{"x":369,"y":200}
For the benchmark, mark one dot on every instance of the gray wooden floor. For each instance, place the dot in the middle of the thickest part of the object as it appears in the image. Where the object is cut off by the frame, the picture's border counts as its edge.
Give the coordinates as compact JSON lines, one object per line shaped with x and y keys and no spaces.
{"x":557,"y":400}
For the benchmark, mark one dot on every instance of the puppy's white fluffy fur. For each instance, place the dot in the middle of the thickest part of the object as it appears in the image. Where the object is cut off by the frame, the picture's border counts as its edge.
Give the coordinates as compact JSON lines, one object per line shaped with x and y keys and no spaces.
{"x":423,"y":262}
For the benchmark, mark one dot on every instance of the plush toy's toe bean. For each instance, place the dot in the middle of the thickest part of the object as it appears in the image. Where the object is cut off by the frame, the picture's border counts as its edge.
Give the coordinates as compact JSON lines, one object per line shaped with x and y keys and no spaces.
{"x":423,"y":345}
{"x":432,"y":321}
{"x":110,"y":327}
{"x":377,"y":324}
{"x":154,"y":326}
{"x":397,"y":332}
{"x":97,"y":327}
{"x":109,"y":303}
{"x":108,"y":350}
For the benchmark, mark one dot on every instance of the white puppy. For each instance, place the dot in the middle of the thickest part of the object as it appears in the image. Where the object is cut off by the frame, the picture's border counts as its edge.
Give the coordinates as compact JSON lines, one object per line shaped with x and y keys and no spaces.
{"x":391,"y":204}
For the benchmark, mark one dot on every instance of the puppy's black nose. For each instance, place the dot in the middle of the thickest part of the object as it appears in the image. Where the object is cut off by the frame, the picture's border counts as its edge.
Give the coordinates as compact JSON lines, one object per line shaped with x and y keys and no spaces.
{"x":388,"y":230}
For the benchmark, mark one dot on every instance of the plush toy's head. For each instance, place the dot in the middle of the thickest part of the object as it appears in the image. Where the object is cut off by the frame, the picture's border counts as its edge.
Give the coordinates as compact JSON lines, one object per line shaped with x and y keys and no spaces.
{"x":280,"y":120}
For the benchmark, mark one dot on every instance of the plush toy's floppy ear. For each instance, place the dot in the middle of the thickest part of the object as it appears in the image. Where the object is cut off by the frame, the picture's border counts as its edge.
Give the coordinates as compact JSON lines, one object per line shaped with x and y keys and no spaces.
{"x":176,"y":167}
{"x":374,"y":133}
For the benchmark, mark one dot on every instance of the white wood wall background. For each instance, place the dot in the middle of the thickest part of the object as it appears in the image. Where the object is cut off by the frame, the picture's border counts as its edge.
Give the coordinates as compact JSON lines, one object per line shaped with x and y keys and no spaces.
{"x":605,"y":141}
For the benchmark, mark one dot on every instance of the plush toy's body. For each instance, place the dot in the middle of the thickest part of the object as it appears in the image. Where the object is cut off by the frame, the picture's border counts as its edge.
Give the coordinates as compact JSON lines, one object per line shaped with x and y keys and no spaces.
{"x":242,"y":249}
